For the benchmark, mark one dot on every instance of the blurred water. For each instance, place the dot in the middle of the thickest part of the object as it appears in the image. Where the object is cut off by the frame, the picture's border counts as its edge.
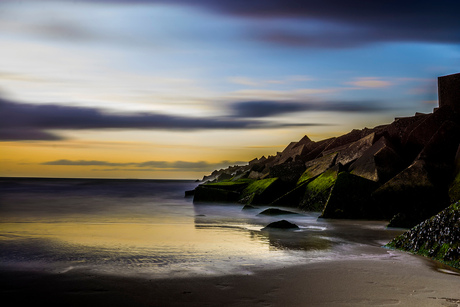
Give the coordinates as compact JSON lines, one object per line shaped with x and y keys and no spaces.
{"x":148,"y":227}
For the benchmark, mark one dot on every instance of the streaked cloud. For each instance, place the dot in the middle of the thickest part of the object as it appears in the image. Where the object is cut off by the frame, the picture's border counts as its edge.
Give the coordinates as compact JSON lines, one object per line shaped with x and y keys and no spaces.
{"x":274,"y":108}
{"x":246,"y":81}
{"x":147,"y":165}
{"x":292,"y":94}
{"x":84,"y":163}
{"x":370,"y":82}
{"x":344,"y":23}
{"x":33,"y":122}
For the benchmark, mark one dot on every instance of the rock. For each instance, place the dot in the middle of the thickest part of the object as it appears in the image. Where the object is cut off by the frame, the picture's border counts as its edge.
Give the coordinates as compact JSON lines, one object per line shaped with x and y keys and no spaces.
{"x":207,"y":194}
{"x":412,"y":194}
{"x":355,"y":149}
{"x":316,"y":167}
{"x":255,"y":175}
{"x":395,"y":131}
{"x":454,"y":187}
{"x":346,"y":139}
{"x":439,"y":153}
{"x":243,"y":174}
{"x":379,"y":163}
{"x":283,"y":224}
{"x":224,"y":176}
{"x":350,"y":197}
{"x":316,"y":149}
{"x":449,"y":91}
{"x":288,"y":172}
{"x":414,"y":140}
{"x":275,"y":212}
{"x":189,"y":193}
{"x":226,"y":191}
{"x":248,"y":207}
{"x":293,"y":150}
{"x":317,"y":191}
{"x":263,"y":191}
{"x":291,"y":198}
{"x":437,"y":237}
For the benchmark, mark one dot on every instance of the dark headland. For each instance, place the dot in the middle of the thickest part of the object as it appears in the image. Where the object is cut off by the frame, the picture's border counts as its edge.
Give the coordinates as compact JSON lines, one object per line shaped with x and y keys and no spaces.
{"x":406,"y":172}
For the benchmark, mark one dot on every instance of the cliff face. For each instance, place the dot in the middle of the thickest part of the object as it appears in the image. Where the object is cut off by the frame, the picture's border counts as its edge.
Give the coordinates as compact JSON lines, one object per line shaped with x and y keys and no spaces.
{"x":405,"y":171}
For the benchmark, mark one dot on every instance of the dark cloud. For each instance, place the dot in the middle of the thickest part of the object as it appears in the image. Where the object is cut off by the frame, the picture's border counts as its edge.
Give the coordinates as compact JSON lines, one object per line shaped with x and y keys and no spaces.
{"x":17,"y":133}
{"x":147,"y":165}
{"x":264,"y":108}
{"x":254,"y":109}
{"x":364,"y":21}
{"x":34,"y":122}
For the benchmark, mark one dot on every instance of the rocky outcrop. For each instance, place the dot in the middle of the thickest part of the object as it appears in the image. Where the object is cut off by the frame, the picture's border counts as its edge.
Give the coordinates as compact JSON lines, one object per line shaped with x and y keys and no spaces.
{"x":437,"y":237}
{"x":405,"y":171}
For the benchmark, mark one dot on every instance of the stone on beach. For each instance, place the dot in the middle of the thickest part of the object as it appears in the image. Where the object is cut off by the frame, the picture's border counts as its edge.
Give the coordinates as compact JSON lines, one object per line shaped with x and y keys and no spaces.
{"x":283,"y":224}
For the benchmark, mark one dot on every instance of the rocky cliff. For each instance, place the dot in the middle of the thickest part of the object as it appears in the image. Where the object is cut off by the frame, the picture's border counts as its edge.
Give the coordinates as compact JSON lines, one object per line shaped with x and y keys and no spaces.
{"x":404,"y":172}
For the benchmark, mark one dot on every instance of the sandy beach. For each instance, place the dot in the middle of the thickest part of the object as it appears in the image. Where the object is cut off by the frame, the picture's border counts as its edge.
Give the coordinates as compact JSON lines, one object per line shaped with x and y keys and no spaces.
{"x":390,"y":278}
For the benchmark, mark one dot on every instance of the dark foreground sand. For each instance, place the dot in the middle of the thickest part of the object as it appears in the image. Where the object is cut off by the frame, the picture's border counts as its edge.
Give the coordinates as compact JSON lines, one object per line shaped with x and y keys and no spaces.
{"x":390,"y":279}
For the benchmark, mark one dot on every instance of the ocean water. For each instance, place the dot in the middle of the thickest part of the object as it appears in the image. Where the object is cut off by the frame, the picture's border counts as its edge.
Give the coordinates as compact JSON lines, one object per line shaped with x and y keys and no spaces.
{"x":148,"y":227}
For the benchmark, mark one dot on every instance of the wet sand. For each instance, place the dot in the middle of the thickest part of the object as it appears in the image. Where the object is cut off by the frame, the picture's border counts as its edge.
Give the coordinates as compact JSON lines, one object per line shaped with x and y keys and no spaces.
{"x":391,"y":278}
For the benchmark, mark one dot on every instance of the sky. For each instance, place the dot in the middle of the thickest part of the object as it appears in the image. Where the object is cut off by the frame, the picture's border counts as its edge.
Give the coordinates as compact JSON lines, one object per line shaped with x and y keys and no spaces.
{"x":176,"y":89}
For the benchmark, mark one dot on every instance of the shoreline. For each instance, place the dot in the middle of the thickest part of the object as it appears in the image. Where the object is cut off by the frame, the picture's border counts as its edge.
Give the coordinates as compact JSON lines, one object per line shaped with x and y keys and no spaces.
{"x":389,"y":279}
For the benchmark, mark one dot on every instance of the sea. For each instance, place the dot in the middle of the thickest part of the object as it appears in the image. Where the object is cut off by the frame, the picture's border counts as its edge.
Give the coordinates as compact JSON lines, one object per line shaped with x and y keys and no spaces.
{"x":150,"y":228}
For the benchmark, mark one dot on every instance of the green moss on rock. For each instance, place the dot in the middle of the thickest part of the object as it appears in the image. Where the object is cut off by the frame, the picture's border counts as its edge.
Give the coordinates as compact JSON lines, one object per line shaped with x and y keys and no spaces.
{"x":239,"y":184}
{"x":262,"y":191}
{"x":437,"y":237}
{"x":223,"y":191}
{"x":258,"y":186}
{"x":317,"y":167}
{"x":318,"y":190}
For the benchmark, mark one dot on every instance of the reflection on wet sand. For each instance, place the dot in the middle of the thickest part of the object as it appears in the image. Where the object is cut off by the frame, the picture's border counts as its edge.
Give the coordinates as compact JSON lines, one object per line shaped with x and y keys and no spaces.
{"x":314,"y":234}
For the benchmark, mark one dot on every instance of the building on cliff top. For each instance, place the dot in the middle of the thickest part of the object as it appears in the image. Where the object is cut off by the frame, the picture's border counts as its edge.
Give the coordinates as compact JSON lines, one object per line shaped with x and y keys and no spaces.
{"x":449,"y":91}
